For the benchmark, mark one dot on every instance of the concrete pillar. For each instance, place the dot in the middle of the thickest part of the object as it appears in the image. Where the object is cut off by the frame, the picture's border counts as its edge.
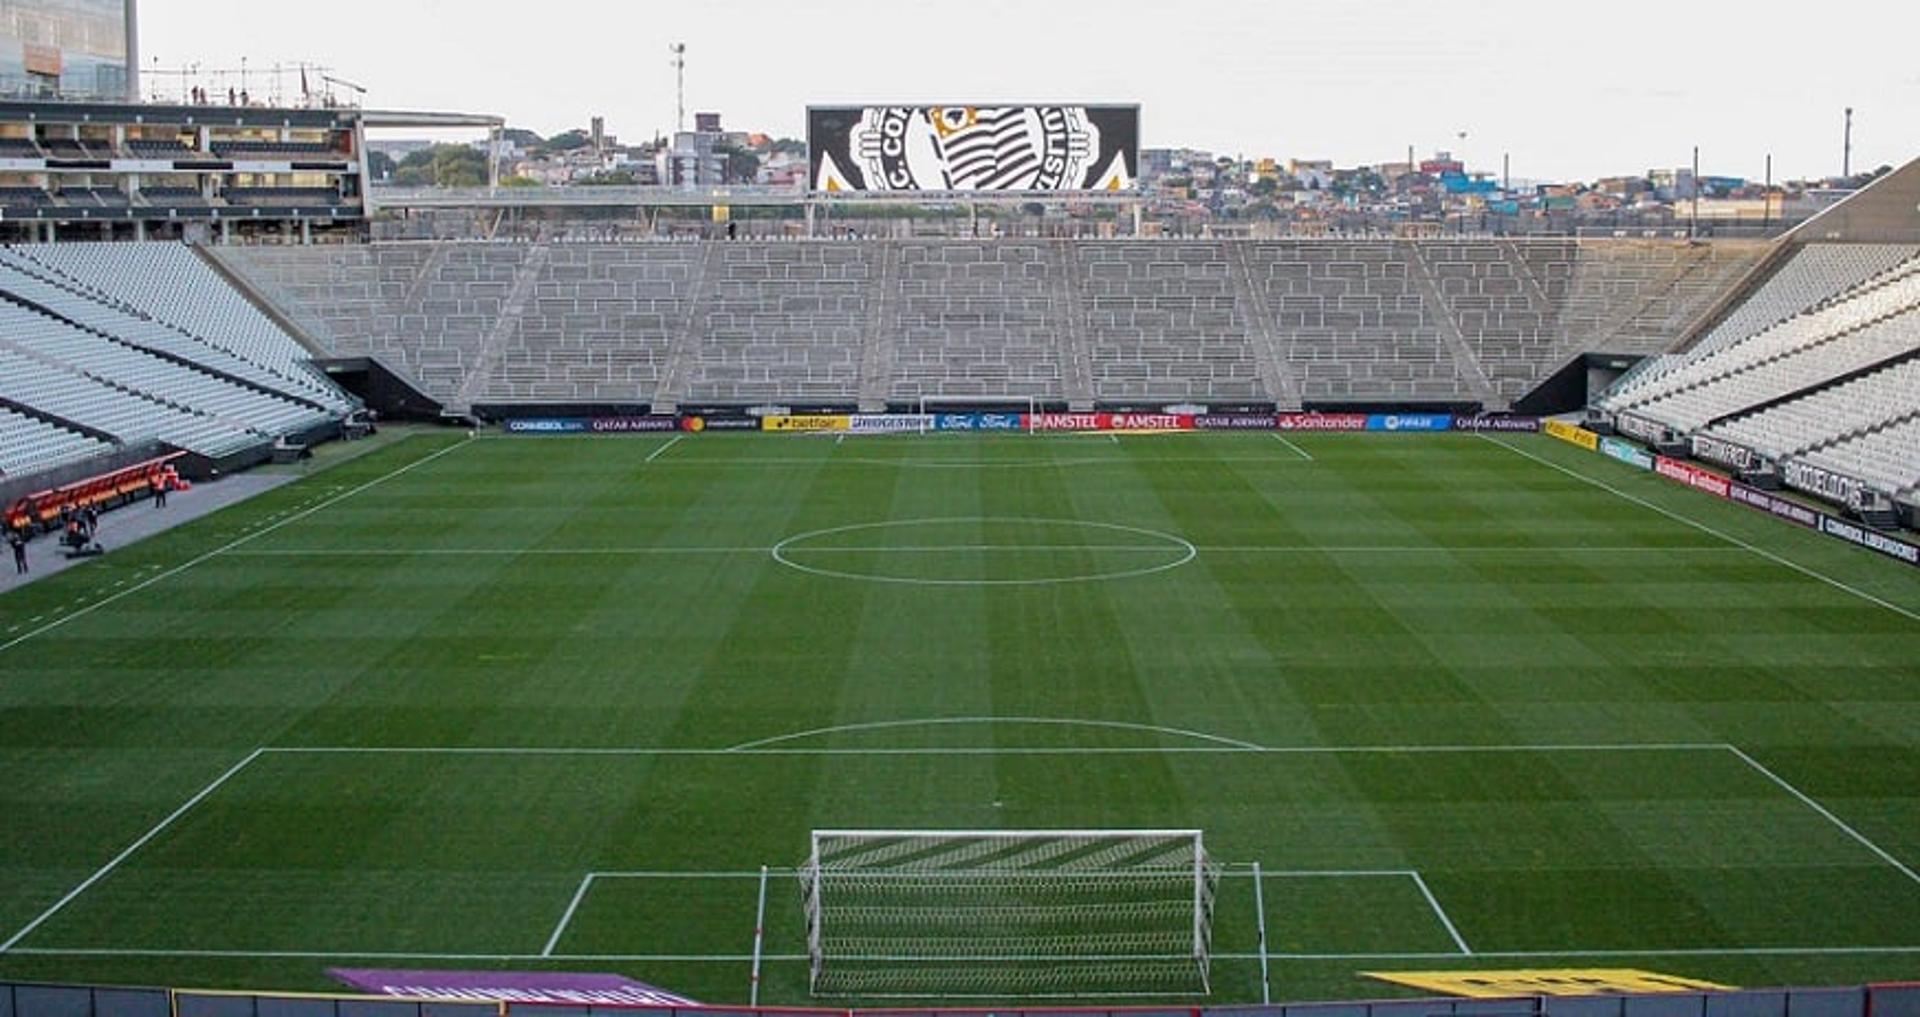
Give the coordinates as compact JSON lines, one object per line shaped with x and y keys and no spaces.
{"x":139,"y":229}
{"x":226,"y":231}
{"x":306,"y":232}
{"x":810,"y":233}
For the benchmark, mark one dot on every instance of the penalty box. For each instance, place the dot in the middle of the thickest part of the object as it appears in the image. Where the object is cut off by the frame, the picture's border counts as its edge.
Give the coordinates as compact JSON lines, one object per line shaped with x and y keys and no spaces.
{"x":422,"y":852}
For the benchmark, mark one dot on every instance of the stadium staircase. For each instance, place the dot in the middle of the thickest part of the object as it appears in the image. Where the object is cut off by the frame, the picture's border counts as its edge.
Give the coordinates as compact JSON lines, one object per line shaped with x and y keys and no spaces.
{"x":681,"y":356}
{"x":1275,"y":376}
{"x":486,"y":361}
{"x":1067,"y":300}
{"x":1467,"y":366}
{"x":883,"y":323}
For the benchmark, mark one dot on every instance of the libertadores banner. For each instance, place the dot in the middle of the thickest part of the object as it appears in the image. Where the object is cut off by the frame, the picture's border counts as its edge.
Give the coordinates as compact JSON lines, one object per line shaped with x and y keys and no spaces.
{"x":508,"y":987}
{"x":973,"y":148}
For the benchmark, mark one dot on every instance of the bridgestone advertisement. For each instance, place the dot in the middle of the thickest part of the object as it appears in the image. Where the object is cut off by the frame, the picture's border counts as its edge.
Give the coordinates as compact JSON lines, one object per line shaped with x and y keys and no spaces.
{"x":1051,"y":149}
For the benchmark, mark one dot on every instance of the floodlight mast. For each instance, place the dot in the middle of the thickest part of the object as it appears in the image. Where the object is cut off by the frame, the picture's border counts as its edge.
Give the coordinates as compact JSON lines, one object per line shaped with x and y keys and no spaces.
{"x":679,"y":51}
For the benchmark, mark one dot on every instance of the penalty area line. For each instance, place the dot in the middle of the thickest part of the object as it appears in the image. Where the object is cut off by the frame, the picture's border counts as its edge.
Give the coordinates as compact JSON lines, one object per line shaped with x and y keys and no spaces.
{"x":127,"y":853}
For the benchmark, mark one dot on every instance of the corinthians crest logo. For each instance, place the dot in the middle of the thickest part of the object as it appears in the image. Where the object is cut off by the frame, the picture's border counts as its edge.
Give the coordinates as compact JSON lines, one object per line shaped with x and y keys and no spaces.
{"x":973,"y":148}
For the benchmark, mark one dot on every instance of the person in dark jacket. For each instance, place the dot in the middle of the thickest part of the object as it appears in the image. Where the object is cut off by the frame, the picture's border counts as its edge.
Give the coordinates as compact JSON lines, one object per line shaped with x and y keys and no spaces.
{"x":18,"y":541}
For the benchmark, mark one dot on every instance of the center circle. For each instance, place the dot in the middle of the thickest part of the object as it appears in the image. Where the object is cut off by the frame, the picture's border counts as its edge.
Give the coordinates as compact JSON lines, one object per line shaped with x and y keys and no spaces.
{"x":984,"y":551}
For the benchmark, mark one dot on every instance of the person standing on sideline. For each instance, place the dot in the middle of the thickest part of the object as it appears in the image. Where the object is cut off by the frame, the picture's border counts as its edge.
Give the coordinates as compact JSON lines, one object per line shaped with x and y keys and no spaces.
{"x":160,"y":490}
{"x":18,"y":541}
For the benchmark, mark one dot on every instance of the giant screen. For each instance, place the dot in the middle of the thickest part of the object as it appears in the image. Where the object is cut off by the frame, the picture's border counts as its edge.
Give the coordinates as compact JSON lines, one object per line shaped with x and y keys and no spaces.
{"x":973,"y":148}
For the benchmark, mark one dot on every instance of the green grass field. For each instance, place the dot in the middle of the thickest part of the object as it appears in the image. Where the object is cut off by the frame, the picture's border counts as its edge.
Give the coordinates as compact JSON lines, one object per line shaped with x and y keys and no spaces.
{"x":1451,"y":693}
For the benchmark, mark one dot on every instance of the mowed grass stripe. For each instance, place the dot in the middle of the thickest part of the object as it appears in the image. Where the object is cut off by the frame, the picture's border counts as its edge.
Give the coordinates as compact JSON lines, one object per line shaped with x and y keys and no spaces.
{"x":1490,"y":628}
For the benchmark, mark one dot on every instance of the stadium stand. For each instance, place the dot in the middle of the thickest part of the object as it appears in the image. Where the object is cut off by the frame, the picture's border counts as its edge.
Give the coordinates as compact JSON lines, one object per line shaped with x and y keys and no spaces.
{"x":1073,"y":321}
{"x":155,"y":378}
{"x":29,"y":445}
{"x":283,"y":196}
{"x":977,"y":320}
{"x":1163,"y":322}
{"x":276,"y":150}
{"x":1356,"y":324}
{"x":1845,"y":411}
{"x":599,"y":326}
{"x":158,"y":148}
{"x":25,"y":197}
{"x":1886,"y":459}
{"x":171,"y":285}
{"x":783,"y":321}
{"x":1815,"y":274}
{"x":1877,"y":321}
{"x":24,"y":280}
{"x":91,"y":402}
{"x":144,"y":342}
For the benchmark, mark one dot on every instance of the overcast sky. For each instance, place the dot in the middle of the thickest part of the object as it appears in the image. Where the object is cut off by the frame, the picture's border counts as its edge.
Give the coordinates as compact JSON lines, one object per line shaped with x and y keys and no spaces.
{"x":1571,"y":90}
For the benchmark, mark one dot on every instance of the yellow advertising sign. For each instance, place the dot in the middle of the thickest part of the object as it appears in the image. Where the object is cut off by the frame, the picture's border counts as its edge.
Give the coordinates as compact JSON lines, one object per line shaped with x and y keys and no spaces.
{"x":1544,"y":982}
{"x":1575,"y":435}
{"x":807,"y":422}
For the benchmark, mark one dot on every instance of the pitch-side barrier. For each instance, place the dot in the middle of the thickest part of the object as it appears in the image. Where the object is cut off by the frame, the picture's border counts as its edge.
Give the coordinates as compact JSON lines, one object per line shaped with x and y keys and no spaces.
{"x":1881,"y":1000}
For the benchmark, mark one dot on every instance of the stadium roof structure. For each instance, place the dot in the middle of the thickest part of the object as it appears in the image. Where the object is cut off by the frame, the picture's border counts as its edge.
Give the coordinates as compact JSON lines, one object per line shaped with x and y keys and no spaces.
{"x":1886,"y":211}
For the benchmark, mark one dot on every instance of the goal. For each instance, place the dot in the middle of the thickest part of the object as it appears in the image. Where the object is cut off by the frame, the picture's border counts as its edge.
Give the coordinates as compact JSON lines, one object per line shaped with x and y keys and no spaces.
{"x":1011,"y":407}
{"x":1003,"y":914}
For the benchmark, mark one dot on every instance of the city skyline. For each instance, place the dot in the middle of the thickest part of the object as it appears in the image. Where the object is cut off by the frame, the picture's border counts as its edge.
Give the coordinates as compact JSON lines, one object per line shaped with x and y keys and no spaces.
{"x":1350,"y":82}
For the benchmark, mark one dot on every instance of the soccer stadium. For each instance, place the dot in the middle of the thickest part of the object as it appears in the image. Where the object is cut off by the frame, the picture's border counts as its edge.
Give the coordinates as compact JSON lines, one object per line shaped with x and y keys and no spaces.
{"x":1365,"y":625}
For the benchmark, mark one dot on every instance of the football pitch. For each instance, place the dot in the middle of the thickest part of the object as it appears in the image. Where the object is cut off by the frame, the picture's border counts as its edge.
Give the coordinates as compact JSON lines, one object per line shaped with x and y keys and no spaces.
{"x":554,"y":703}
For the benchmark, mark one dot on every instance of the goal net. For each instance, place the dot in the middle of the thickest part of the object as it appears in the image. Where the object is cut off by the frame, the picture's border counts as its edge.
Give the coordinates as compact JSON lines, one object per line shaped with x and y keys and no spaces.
{"x":1014,"y":414}
{"x":1008,"y":914}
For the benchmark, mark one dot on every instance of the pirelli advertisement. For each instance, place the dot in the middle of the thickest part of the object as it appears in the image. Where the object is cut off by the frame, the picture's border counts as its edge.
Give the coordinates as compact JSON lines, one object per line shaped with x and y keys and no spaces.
{"x":1018,"y":149}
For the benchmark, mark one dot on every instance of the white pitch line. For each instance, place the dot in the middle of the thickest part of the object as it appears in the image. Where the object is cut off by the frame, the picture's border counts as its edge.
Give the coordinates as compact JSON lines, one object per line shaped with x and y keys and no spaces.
{"x":128,"y":852}
{"x":684,"y":958}
{"x":1284,"y":440}
{"x":662,"y":450}
{"x":572,"y":906}
{"x":791,"y":958}
{"x":1809,"y":802}
{"x":1704,"y":528}
{"x":563,"y":552}
{"x":224,"y":548}
{"x":1440,"y":912}
{"x":886,"y":725}
{"x":1704,"y":951}
{"x":1227,"y":749}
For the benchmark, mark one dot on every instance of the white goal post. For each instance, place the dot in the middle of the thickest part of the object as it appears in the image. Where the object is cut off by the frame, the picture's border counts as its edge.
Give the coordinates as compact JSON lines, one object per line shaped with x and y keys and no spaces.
{"x":933,"y":406}
{"x":1006,"y":914}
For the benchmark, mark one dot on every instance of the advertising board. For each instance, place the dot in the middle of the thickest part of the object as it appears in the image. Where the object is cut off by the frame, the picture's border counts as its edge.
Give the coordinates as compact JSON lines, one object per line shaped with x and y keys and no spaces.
{"x":1321,"y":421}
{"x":1410,"y":422}
{"x":1573,"y":435}
{"x":1803,"y":476}
{"x":1693,"y":476}
{"x":546,"y":425}
{"x":803,"y":423}
{"x":1509,"y":425}
{"x":1626,"y":452}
